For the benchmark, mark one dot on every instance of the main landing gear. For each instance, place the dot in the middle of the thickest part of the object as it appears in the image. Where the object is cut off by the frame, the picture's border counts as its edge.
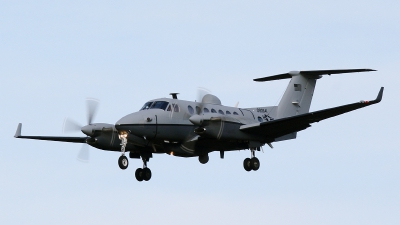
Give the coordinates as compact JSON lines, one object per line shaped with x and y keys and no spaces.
{"x":251,"y":163}
{"x":143,"y":174}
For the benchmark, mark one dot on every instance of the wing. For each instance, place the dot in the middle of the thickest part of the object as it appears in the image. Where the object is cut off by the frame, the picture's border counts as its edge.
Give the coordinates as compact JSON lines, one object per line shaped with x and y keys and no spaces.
{"x":50,"y":138}
{"x":280,"y":127}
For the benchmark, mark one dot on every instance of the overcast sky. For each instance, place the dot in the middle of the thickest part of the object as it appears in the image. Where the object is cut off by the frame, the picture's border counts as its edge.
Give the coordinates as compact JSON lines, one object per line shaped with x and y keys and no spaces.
{"x":55,"y":54}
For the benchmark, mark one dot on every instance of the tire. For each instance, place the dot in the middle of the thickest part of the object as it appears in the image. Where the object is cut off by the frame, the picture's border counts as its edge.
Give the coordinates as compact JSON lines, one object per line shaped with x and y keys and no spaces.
{"x":255,"y":164}
{"x":247,"y":164}
{"x":139,"y":174}
{"x":203,"y":159}
{"x":146,"y":174}
{"x":123,"y":162}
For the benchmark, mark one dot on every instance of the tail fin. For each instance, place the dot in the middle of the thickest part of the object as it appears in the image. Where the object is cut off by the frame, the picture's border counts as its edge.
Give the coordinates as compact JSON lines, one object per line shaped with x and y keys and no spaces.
{"x":299,"y":93}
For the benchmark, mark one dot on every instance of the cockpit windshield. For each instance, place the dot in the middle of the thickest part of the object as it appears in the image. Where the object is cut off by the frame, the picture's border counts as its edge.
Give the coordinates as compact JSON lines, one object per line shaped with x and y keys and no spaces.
{"x":146,"y":105}
{"x":159,"y":105}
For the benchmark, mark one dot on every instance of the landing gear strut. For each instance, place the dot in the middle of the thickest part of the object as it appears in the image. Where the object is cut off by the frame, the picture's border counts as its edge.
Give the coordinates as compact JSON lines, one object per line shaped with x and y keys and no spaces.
{"x":145,"y":173}
{"x":251,"y":163}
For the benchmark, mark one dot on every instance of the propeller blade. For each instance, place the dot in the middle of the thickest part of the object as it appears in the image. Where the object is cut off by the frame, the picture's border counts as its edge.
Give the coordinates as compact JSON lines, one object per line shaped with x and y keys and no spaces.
{"x":83,"y":155}
{"x":71,"y":126}
{"x":201,"y":92}
{"x":92,"y":104}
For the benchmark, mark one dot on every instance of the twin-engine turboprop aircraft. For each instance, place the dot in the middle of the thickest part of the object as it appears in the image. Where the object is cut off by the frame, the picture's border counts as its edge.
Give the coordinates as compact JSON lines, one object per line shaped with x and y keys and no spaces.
{"x":187,"y":129}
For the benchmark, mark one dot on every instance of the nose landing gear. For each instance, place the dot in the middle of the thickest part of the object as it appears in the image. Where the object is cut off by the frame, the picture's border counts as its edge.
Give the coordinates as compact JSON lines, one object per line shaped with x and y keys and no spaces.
{"x":123,"y":161}
{"x":251,"y":163}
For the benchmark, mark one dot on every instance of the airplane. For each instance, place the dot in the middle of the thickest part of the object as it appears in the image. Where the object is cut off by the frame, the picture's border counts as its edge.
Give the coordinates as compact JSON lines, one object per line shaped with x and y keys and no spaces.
{"x":196,"y":128}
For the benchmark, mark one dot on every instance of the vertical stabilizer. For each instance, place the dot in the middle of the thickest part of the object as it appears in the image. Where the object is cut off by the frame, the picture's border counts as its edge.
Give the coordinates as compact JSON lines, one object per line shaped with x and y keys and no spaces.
{"x":297,"y":97}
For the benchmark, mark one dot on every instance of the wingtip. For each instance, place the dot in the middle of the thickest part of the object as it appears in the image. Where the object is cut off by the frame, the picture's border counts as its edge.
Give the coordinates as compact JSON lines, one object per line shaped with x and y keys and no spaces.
{"x":18,"y":132}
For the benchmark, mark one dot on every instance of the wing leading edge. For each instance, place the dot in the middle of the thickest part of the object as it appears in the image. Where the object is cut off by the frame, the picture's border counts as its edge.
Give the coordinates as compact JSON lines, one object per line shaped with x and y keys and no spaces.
{"x":50,"y":138}
{"x":280,"y":127}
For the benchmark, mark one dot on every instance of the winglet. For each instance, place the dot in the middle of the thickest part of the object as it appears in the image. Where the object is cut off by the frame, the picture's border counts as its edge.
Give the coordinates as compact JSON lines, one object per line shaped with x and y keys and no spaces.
{"x":380,"y":94}
{"x":18,"y":132}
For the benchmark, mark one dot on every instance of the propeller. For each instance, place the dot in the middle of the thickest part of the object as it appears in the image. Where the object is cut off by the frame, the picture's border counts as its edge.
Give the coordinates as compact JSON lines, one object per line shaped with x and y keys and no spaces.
{"x":73,"y":126}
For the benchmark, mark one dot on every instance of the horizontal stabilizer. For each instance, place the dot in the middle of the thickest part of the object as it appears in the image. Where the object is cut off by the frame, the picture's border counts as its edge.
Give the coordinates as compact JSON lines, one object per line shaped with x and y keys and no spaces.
{"x":312,"y":73}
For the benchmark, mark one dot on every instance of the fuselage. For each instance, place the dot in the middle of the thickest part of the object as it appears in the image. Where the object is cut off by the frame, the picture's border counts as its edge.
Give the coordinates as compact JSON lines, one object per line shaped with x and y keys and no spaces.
{"x":167,"y":123}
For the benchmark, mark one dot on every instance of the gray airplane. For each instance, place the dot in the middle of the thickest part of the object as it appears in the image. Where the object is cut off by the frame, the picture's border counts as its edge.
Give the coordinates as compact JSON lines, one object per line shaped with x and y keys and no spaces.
{"x":188,"y":129}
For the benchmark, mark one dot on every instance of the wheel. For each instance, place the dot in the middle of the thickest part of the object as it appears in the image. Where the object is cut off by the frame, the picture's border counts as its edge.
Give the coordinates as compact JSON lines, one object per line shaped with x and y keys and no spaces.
{"x":255,"y":163}
{"x":247,"y":164}
{"x":203,"y":159}
{"x":139,"y":174}
{"x":123,"y":162}
{"x":146,"y":174}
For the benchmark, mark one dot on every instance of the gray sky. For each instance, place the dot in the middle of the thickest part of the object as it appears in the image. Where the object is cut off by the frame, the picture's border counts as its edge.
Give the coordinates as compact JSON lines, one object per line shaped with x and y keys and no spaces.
{"x":53,"y":55}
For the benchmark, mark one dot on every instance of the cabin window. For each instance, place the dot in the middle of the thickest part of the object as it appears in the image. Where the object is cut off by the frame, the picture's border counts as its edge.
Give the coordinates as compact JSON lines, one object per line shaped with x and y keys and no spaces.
{"x":191,"y":110}
{"x":159,"y":105}
{"x":235,"y":113}
{"x":205,"y":110}
{"x":213,"y":111}
{"x":146,"y":105}
{"x":260,"y":119}
{"x":221,"y":112}
{"x":228,"y":113}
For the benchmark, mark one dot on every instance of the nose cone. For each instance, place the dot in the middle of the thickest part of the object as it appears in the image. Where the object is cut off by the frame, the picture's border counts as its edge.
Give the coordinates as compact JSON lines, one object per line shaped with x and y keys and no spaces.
{"x":124,"y":121}
{"x":142,"y":123}
{"x":88,"y":130}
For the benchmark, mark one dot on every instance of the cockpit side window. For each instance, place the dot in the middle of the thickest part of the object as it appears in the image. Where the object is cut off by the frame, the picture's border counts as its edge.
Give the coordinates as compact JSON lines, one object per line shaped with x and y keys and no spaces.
{"x":213,"y":111}
{"x":235,"y":113}
{"x":159,"y":105}
{"x":146,"y":105}
{"x":228,"y":113}
{"x":176,"y":107}
{"x":205,"y":110}
{"x":221,"y":112}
